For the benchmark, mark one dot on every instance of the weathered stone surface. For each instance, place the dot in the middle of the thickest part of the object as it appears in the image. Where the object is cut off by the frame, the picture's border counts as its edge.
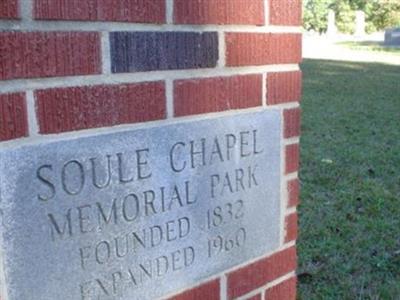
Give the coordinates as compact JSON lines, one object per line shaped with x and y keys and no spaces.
{"x":141,"y":213}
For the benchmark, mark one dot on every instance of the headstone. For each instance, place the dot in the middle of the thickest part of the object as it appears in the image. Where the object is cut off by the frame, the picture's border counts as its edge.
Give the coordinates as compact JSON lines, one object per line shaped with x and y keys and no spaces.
{"x":332,"y":30}
{"x":360,"y":24}
{"x":137,"y":214}
{"x":392,"y":36}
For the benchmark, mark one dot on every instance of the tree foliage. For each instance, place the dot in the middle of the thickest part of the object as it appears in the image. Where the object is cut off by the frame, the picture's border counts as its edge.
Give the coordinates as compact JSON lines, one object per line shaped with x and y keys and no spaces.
{"x":380,"y":14}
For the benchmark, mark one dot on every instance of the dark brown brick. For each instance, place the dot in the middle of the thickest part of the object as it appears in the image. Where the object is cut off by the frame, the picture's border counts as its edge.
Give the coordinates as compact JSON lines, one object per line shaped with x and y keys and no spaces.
{"x":163,"y":50}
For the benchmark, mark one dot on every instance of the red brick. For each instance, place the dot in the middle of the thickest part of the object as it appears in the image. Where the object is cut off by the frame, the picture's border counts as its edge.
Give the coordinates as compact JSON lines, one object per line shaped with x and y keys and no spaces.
{"x":207,"y":291}
{"x":244,"y":49}
{"x":9,"y":9}
{"x":292,"y":158}
{"x":291,"y":122}
{"x":259,"y":273}
{"x":13,"y":116}
{"x":293,"y":187}
{"x":197,"y":96}
{"x":284,"y":87}
{"x":283,"y":291}
{"x":222,"y":12}
{"x":47,"y":54}
{"x":75,"y":108}
{"x":135,"y":11}
{"x":285,"y":12}
{"x":291,"y":227}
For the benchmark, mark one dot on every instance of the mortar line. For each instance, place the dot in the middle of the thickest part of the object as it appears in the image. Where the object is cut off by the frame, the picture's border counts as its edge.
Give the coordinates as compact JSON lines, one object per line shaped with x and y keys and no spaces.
{"x":291,"y":176}
{"x":266,"y":12}
{"x":293,"y":140}
{"x":169,"y":11}
{"x":84,"y":80}
{"x":31,"y":111}
{"x":105,"y":53}
{"x":291,"y":210}
{"x":26,"y":11}
{"x":264,"y":90}
{"x":169,"y":96}
{"x":283,"y":192}
{"x":221,"y":49}
{"x":27,"y":24}
{"x":223,"y":287}
{"x":267,"y":286}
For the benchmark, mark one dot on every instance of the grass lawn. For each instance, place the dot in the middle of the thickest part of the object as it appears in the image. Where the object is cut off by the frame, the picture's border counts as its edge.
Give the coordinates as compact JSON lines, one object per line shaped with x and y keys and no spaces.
{"x":371,"y":46}
{"x":349,"y":243}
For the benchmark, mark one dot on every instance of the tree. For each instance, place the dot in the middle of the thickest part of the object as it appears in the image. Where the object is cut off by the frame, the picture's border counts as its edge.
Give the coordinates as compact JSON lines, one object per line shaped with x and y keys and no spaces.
{"x":316,"y":14}
{"x":380,"y":14}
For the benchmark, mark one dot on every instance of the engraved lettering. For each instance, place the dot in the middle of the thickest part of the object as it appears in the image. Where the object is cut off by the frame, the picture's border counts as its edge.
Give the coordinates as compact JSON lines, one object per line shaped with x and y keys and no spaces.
{"x":214,"y":182}
{"x":255,"y":150}
{"x":230,"y":145}
{"x":60,"y":230}
{"x":102,"y":252}
{"x":95,"y":176}
{"x":68,"y":176}
{"x":172,"y":156}
{"x":252,"y":176}
{"x":112,"y":215}
{"x":232,"y":182}
{"x":135,"y":206}
{"x":116,"y":279}
{"x":119,"y":252}
{"x":123,"y":178}
{"x":243,"y":143}
{"x":84,"y":219}
{"x":142,"y":164}
{"x":84,"y":254}
{"x":45,"y":181}
{"x":195,"y":153}
{"x":149,"y":197}
{"x":216,"y":150}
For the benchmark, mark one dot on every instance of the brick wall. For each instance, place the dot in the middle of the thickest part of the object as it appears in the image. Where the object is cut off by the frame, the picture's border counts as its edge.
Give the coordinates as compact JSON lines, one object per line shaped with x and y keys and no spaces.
{"x":68,"y":66}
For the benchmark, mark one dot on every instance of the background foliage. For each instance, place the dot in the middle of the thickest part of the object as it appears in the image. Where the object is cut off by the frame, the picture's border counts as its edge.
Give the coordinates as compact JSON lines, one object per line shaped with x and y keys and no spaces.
{"x":380,"y":14}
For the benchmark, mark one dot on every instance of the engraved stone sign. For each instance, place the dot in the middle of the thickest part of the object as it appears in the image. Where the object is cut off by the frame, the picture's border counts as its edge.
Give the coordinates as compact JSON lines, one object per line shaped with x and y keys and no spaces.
{"x":138,"y":214}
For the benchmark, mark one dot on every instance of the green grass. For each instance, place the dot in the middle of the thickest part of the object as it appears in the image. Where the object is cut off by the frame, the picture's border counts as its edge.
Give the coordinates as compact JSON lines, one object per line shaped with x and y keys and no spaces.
{"x":349,"y":243}
{"x":371,"y":46}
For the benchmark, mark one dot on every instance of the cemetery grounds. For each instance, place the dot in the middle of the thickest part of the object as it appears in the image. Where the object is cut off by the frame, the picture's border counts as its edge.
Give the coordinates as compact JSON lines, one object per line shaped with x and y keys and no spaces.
{"x":349,"y":240}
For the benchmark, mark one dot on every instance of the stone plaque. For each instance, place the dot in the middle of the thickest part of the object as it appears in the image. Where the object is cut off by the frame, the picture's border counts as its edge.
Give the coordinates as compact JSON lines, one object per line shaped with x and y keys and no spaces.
{"x":142,"y":213}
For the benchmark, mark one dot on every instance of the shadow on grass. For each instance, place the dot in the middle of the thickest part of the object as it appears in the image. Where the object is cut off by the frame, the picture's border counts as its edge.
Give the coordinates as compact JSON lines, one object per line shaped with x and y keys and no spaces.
{"x":349,"y":242}
{"x":371,"y":46}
